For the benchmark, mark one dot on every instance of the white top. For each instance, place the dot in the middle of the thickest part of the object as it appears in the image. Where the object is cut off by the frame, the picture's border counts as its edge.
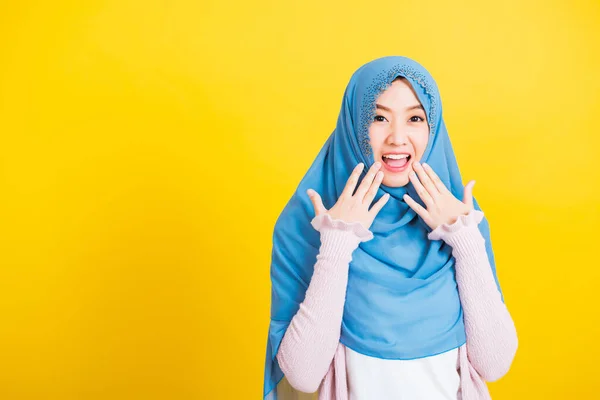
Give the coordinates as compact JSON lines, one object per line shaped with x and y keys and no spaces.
{"x":429,"y":378}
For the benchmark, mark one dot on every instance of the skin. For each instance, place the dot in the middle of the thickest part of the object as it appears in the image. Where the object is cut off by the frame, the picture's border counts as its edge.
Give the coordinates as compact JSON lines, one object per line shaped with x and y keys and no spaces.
{"x":400,"y":125}
{"x":441,"y":207}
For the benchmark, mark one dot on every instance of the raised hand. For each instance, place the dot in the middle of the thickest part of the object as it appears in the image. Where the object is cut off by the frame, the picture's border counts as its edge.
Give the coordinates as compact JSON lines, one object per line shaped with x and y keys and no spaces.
{"x":355,"y":207}
{"x":442,"y":206}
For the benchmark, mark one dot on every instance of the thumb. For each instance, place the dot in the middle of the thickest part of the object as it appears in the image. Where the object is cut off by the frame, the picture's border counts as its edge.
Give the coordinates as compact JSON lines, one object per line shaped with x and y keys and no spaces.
{"x":316,"y":202}
{"x":468,"y":194}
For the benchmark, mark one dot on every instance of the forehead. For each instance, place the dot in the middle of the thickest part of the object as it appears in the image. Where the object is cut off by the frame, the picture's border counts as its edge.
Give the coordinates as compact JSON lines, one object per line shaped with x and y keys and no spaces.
{"x":399,"y":93}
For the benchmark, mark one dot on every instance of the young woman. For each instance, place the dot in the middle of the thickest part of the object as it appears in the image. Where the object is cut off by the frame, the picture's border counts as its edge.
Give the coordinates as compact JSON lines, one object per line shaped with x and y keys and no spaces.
{"x":391,"y":293}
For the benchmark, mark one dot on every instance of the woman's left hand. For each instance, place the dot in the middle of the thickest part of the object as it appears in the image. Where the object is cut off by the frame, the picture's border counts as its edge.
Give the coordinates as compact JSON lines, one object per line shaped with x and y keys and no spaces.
{"x":442,"y":206}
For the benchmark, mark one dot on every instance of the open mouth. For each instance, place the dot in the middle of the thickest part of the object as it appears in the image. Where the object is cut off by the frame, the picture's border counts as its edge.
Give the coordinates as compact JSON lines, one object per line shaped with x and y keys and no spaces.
{"x":396,"y":162}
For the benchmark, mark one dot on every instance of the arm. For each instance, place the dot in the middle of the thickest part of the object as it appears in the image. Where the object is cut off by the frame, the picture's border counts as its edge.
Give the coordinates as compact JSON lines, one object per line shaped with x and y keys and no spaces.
{"x":491,"y":334}
{"x":311,"y":339}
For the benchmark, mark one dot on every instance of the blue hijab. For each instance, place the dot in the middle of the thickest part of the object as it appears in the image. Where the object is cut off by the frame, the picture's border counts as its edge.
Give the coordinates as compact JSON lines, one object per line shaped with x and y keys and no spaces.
{"x":402,"y":299}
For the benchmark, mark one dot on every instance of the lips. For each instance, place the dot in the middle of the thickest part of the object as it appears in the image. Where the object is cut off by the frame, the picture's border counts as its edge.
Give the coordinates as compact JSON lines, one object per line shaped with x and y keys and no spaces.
{"x":394,"y":165}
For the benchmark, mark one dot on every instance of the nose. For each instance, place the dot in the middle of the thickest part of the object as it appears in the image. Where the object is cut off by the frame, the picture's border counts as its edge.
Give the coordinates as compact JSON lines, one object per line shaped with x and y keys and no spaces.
{"x":398,"y":135}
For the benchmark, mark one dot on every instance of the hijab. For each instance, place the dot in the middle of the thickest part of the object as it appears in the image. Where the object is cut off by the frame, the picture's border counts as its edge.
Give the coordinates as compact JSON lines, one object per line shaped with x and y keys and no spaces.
{"x":402,"y":298}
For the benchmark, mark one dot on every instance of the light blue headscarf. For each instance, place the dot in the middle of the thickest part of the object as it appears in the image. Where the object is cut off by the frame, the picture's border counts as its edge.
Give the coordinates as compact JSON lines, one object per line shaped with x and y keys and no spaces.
{"x":402,"y":299}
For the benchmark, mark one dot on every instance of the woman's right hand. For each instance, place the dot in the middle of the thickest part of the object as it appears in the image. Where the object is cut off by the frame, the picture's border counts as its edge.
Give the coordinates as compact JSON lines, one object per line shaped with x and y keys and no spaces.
{"x":355,"y":208}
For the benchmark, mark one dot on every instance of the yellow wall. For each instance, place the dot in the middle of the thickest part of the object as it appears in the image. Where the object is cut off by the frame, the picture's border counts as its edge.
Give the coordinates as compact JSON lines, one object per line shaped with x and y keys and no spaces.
{"x":141,"y":141}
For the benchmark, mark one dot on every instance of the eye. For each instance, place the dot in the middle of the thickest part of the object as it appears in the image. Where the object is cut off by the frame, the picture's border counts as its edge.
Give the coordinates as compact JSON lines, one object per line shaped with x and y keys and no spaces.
{"x":379,"y":116}
{"x":412,"y":119}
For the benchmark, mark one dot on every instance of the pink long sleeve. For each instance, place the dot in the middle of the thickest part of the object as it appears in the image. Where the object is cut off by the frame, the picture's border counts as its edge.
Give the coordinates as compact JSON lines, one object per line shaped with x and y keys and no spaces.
{"x":310,"y":342}
{"x":491,"y":335}
{"x":311,"y":339}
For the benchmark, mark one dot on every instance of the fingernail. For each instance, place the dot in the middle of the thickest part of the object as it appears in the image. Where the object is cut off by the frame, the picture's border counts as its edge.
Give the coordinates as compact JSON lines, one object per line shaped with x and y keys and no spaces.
{"x":377,"y":164}
{"x":417,"y":163}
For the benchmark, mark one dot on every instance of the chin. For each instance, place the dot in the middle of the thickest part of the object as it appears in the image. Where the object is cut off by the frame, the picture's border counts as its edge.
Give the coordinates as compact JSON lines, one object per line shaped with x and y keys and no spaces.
{"x":398,"y":181}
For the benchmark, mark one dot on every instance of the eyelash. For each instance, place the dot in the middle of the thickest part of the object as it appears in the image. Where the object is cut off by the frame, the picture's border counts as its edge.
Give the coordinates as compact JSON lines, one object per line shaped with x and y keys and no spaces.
{"x":414,"y":116}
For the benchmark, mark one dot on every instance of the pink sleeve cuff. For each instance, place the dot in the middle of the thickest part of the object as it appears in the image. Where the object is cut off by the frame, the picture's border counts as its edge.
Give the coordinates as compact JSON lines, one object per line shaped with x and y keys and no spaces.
{"x":473,"y":217}
{"x":463,"y":235}
{"x":324,"y":221}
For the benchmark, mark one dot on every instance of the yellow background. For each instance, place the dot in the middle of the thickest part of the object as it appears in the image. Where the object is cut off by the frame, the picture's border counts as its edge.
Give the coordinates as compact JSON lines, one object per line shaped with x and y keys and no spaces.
{"x":147,"y":148}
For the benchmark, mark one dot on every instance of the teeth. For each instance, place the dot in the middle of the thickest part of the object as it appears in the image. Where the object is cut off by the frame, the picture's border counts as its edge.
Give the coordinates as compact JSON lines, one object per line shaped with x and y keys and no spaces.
{"x":396,"y":156}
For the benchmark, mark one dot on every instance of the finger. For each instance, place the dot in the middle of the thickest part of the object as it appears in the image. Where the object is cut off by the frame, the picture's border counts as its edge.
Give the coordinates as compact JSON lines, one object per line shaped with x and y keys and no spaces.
{"x":316,"y":201}
{"x":368,"y":199}
{"x":367,"y":181}
{"x":435,"y":179}
{"x":468,"y":194}
{"x":422,"y":212}
{"x":421,"y":191}
{"x":426,"y":181}
{"x":379,"y":205}
{"x":352,"y":180}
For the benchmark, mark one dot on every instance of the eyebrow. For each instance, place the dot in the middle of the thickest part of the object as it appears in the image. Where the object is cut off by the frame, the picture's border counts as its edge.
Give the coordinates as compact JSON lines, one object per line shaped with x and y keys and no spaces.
{"x":407,"y":108}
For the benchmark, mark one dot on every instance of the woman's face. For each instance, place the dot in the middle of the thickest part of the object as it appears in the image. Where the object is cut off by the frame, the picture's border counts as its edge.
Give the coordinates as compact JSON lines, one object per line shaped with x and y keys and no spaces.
{"x":399,"y":128}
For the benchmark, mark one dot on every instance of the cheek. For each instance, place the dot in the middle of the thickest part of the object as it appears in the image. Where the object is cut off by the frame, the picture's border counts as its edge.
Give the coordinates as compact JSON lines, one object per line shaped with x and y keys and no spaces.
{"x":376,"y":137}
{"x":422,"y":142}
